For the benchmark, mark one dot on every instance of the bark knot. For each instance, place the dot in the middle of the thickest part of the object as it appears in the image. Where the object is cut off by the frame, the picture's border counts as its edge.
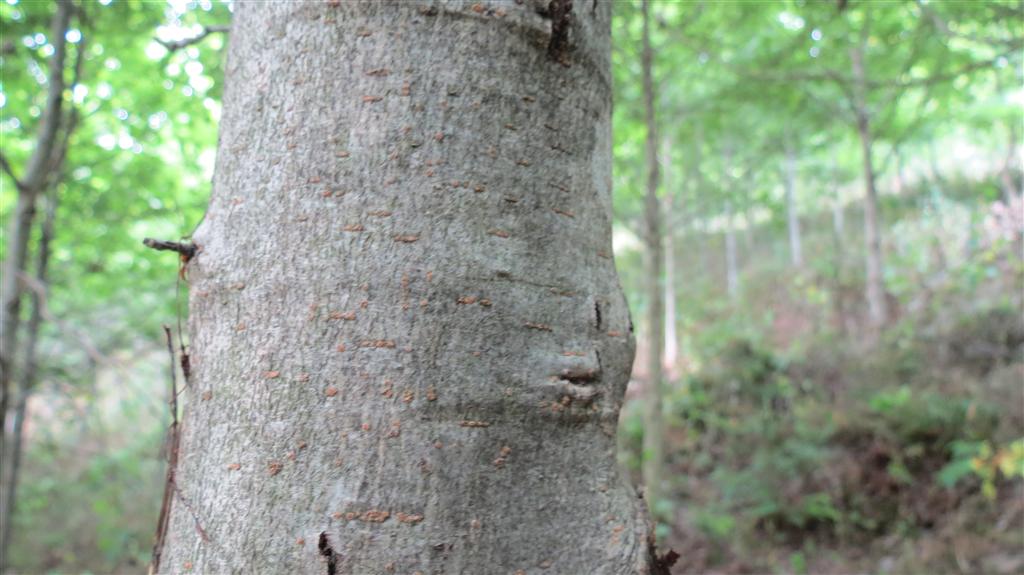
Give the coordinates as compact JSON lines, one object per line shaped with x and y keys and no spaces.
{"x":662,"y":564}
{"x":560,"y":12}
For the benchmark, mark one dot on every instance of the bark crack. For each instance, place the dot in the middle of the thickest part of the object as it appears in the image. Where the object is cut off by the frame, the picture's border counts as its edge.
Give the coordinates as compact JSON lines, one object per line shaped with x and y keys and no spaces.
{"x":186,"y":249}
{"x":503,"y":276}
{"x":327,"y":551}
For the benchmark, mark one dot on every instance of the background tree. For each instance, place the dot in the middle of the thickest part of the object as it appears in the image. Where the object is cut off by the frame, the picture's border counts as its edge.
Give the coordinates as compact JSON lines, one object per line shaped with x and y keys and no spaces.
{"x":29,"y":187}
{"x":40,"y":173}
{"x":133,"y":156}
{"x":653,"y":236}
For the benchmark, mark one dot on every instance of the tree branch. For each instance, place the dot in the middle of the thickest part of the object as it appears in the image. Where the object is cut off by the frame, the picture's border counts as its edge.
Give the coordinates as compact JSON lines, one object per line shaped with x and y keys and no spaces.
{"x":39,"y":289}
{"x":35,"y":173}
{"x":55,"y":168}
{"x":843,"y":81}
{"x":10,"y":172}
{"x":909,"y":130}
{"x":939,"y":78}
{"x":186,"y":249}
{"x":17,"y":241}
{"x":943,"y":28}
{"x":175,"y":45}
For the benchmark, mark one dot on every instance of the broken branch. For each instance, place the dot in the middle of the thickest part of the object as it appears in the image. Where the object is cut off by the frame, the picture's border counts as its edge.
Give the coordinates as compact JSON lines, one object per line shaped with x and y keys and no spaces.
{"x":175,"y":45}
{"x":186,"y":249}
{"x":10,"y":172}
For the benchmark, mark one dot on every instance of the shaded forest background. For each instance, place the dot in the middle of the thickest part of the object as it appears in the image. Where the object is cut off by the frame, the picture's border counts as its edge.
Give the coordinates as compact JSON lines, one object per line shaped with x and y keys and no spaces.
{"x":818,"y":224}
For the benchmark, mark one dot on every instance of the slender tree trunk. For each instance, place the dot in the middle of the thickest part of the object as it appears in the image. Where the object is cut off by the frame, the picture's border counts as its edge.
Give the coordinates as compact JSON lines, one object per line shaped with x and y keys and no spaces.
{"x":697,"y":208}
{"x":29,"y":187}
{"x":1006,"y":173}
{"x":28,"y":376}
{"x":748,"y":228}
{"x":671,"y":339}
{"x":409,"y":343}
{"x":697,"y":168}
{"x":653,"y":454}
{"x":838,"y":218}
{"x":732,"y":275}
{"x":938,"y":180}
{"x":838,"y":224}
{"x":796,"y":257}
{"x":709,"y":234}
{"x":844,"y":320}
{"x":671,"y":333}
{"x":35,"y":179}
{"x":901,"y":180}
{"x":838,"y":212}
{"x":878,"y":309}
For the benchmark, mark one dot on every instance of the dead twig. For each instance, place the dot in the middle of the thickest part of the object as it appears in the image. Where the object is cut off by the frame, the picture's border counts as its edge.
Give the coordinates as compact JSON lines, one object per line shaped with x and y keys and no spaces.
{"x":175,"y":45}
{"x":172,"y":462}
{"x":186,"y":249}
{"x":39,"y":289}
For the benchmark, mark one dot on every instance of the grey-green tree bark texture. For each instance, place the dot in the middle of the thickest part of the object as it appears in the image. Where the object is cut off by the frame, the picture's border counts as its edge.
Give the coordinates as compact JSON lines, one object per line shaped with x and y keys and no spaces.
{"x":409,"y":345}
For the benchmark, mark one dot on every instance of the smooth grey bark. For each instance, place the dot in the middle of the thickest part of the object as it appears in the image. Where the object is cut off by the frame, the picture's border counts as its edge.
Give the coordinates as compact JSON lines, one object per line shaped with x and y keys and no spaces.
{"x":654,"y":259}
{"x":796,"y":257}
{"x":409,"y":345}
{"x":29,"y":186}
{"x":878,"y":307}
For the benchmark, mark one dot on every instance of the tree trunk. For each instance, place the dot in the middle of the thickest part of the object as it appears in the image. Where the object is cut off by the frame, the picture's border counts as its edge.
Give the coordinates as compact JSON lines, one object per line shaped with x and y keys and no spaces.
{"x":697,"y":222}
{"x":671,"y":338}
{"x":793,"y":220}
{"x":901,"y":179}
{"x":938,"y":180}
{"x":838,"y":218}
{"x":29,"y":187}
{"x":671,"y":334}
{"x":748,"y":228}
{"x":46,"y":157}
{"x":653,"y":453}
{"x":28,"y":377}
{"x":1006,"y":177}
{"x":409,"y":346}
{"x":878,"y":309}
{"x":844,"y":320}
{"x":732,"y":275}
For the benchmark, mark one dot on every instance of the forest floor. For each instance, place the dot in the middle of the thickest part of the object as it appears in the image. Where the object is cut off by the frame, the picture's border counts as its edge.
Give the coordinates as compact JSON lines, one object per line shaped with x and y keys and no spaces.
{"x":902,"y":456}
